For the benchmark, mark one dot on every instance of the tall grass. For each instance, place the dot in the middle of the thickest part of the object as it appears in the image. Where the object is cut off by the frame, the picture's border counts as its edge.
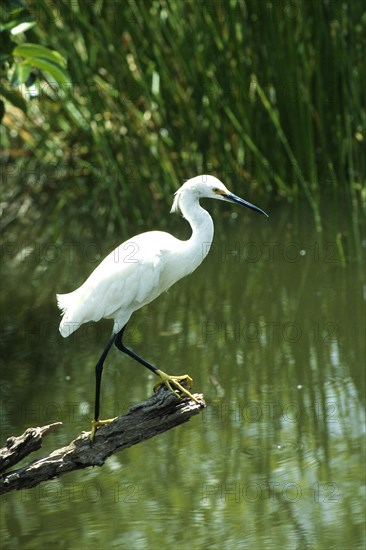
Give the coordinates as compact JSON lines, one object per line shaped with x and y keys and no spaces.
{"x":268,"y":96}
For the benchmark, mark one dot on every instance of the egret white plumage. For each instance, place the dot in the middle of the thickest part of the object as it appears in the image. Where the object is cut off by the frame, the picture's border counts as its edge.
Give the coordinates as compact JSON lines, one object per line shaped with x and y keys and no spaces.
{"x":138,"y":271}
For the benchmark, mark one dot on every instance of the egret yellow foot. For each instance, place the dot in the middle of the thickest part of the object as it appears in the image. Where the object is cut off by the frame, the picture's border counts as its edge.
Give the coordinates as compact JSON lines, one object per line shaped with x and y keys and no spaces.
{"x":97,"y":424}
{"x":173,"y":384}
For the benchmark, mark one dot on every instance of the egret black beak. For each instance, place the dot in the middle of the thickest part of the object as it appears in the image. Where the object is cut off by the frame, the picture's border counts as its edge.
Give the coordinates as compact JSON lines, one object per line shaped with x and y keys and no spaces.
{"x":233,"y":198}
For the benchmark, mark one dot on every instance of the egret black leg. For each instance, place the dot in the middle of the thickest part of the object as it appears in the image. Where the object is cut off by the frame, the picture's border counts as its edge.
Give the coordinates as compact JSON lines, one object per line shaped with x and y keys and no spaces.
{"x":98,"y":375}
{"x":173,"y":383}
{"x":117,"y":339}
{"x":120,"y":345}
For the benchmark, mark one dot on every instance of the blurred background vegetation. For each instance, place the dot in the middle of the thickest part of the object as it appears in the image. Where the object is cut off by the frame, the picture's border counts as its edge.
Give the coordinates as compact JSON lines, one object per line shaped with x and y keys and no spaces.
{"x":266,"y":95}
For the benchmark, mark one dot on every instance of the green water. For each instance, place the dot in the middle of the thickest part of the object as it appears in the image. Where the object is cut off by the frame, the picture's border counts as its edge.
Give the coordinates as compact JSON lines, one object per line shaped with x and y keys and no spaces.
{"x":271,"y":329}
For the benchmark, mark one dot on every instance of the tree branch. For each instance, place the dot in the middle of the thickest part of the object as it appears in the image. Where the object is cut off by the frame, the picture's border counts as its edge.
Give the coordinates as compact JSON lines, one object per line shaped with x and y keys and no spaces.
{"x":159,"y":413}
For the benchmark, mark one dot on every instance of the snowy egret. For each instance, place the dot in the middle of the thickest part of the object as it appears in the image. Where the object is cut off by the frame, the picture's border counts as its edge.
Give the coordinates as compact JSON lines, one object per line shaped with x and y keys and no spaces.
{"x":138,"y":271}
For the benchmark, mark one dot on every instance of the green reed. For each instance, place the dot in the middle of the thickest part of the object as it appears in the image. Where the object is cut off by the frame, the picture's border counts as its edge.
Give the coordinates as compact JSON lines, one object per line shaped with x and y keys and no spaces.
{"x":265,"y":95}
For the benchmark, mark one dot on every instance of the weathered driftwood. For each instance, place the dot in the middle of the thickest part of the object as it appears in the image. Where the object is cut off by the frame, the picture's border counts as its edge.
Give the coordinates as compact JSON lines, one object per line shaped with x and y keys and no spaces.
{"x":159,"y":413}
{"x":17,"y":448}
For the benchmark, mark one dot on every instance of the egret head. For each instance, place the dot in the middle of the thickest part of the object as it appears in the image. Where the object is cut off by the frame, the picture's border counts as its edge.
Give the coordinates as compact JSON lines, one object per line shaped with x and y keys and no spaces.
{"x":209,"y":187}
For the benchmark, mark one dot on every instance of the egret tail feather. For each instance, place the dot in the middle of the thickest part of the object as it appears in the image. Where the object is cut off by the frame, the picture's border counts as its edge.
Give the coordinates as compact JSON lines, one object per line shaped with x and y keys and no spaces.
{"x":68,"y":324}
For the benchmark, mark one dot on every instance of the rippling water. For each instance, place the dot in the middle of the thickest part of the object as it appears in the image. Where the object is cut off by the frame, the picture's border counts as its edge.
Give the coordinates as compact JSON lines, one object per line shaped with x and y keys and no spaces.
{"x":269,"y":327}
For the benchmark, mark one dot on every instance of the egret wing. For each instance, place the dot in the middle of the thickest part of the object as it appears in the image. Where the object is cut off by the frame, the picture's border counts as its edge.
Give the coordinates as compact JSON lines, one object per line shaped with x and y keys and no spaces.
{"x":128,"y":278}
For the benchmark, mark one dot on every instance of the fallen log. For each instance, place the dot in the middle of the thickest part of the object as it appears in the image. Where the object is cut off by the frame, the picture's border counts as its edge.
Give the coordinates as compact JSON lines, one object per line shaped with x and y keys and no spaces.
{"x":161,"y":412}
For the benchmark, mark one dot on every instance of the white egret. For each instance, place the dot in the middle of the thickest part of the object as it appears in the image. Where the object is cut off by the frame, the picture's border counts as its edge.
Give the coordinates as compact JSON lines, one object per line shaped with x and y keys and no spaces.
{"x":138,"y":271}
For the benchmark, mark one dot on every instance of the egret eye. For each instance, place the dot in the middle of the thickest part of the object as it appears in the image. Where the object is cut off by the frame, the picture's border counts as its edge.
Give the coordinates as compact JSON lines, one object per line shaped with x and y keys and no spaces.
{"x":218,"y":191}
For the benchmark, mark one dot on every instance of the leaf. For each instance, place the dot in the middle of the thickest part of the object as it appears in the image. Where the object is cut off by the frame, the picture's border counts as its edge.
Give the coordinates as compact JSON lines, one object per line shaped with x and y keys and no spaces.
{"x":20,"y":75}
{"x":28,"y":50}
{"x":14,"y":98}
{"x":23,"y":27}
{"x":13,"y":20}
{"x":58,"y":73}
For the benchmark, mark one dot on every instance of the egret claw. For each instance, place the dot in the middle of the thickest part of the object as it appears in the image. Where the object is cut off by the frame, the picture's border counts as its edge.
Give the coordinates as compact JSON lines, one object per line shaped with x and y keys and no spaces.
{"x":98,"y":424}
{"x":170,"y":381}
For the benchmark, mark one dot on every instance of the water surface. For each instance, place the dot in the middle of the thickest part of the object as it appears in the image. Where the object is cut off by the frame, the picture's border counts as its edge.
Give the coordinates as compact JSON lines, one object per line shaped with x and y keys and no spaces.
{"x":269,"y":327}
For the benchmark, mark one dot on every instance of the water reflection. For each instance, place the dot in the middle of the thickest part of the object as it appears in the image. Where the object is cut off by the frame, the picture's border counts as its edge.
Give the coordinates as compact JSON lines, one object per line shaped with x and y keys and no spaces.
{"x":269,"y":329}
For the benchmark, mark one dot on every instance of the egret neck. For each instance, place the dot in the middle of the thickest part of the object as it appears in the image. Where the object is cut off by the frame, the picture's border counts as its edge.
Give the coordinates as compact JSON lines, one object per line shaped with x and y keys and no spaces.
{"x":198,"y":245}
